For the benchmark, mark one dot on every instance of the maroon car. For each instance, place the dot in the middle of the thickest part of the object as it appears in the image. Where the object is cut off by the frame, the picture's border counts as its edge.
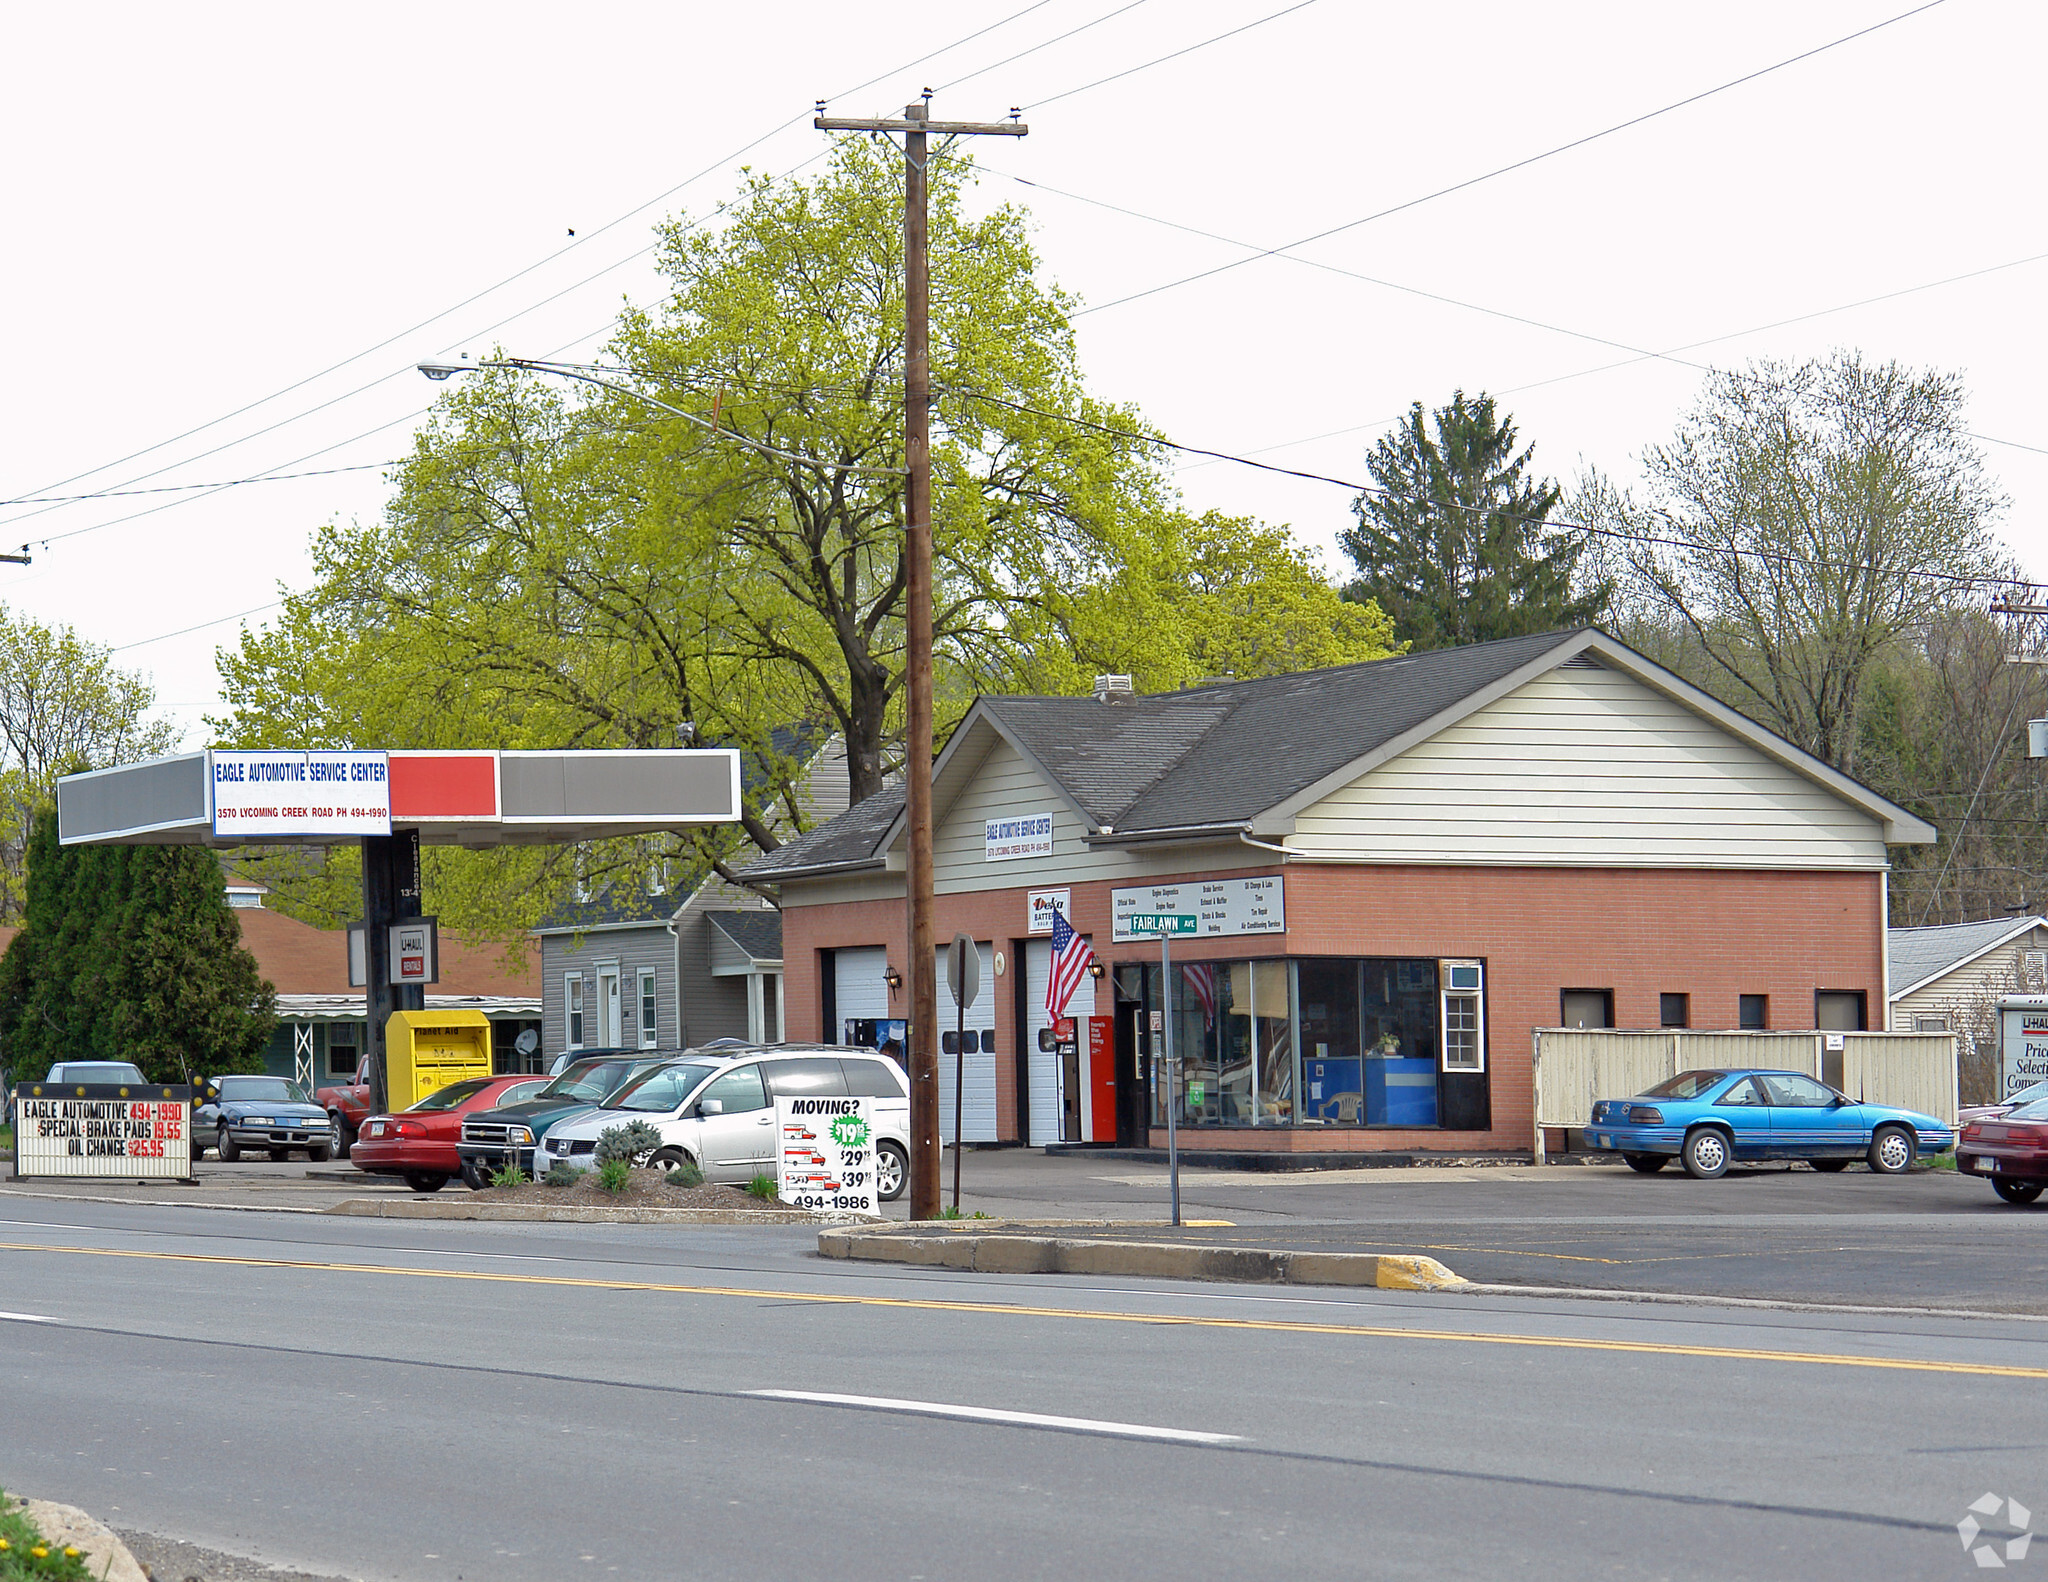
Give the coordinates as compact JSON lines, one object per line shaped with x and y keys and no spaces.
{"x":2010,"y":1149}
{"x":419,"y":1143}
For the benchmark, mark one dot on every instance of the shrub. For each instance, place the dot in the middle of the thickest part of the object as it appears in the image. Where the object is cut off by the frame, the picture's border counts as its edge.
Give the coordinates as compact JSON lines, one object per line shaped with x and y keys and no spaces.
{"x":508,"y":1175}
{"x":763,"y":1186}
{"x":564,"y":1174}
{"x":685,"y":1174}
{"x":613,"y":1174}
{"x":629,"y":1144}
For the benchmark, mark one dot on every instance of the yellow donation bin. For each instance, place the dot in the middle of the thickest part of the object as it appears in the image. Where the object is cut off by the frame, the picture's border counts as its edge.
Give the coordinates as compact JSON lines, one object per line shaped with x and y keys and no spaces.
{"x":427,"y":1050}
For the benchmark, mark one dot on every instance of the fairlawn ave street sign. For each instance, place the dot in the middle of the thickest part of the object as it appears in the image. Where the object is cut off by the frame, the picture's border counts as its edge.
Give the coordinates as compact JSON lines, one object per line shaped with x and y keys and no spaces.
{"x":1142,"y":925}
{"x":475,"y":799}
{"x":1212,"y":908}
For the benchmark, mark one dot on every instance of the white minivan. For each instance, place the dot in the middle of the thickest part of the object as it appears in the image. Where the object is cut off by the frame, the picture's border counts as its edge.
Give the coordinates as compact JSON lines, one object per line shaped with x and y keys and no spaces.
{"x":716,"y":1109}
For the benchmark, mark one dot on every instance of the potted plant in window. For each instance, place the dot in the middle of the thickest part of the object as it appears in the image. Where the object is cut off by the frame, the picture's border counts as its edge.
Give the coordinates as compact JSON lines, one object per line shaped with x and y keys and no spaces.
{"x":1386,"y":1048}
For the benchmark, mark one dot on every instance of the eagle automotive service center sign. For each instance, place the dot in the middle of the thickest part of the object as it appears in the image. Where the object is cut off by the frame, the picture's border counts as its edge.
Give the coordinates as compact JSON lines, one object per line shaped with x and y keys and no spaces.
{"x":121,"y":1130}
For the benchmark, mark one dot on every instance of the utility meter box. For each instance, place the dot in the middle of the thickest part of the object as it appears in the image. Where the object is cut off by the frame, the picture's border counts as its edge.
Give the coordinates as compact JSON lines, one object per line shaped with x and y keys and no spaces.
{"x":427,"y":1050}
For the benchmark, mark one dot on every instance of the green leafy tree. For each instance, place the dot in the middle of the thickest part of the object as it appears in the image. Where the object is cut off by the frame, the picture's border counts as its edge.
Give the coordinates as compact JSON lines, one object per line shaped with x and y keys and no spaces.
{"x":130,"y":953}
{"x":1455,"y":546}
{"x":62,"y":702}
{"x":568,"y":566}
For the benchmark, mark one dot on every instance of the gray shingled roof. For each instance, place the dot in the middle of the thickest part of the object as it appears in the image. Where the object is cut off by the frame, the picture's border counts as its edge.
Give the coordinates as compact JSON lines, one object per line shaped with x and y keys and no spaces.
{"x":1214,"y":755}
{"x":1918,"y":954}
{"x":758,"y":934}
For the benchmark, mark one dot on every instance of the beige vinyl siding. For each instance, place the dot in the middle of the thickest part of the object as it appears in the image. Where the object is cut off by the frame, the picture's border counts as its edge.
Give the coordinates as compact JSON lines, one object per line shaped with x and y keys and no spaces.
{"x":1588,"y":767}
{"x":1007,"y":786}
{"x":1954,"y":993}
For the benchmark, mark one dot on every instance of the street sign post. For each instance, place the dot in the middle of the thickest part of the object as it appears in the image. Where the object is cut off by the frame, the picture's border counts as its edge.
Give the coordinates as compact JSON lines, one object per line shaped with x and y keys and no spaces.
{"x":963,"y":977}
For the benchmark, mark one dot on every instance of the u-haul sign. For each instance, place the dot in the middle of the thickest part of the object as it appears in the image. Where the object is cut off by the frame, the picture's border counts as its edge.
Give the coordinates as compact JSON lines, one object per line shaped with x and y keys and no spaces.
{"x":107,"y":1130}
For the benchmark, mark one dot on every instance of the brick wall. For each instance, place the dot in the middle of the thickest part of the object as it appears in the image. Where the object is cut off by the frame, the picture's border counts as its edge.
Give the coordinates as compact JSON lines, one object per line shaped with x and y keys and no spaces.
{"x":1712,"y":935}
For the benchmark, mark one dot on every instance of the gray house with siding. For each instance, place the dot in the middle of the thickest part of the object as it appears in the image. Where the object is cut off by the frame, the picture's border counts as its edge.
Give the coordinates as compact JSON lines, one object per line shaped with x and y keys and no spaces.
{"x":675,"y":969}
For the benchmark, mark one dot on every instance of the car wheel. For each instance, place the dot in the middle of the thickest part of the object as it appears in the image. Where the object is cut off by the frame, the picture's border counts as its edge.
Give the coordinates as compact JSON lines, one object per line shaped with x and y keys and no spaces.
{"x":892,"y":1171}
{"x":667,"y":1159}
{"x":2016,"y":1191}
{"x":424,"y":1182}
{"x":224,"y":1145}
{"x":320,"y":1155}
{"x":1829,"y":1166}
{"x":1706,"y":1154}
{"x":1646,"y":1164}
{"x":473,"y":1176}
{"x":1892,"y":1150}
{"x":342,"y":1138}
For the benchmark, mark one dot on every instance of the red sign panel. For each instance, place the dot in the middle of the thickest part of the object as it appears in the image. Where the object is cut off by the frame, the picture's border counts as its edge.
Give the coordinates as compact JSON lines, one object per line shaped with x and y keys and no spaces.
{"x":444,"y":785}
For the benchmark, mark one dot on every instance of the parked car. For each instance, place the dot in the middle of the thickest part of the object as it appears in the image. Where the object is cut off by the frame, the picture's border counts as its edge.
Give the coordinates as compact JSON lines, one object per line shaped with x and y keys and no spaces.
{"x":1711,"y":1119}
{"x":716,"y":1109}
{"x":2011,"y":1150}
{"x":2029,"y":1094}
{"x":105,"y":1071}
{"x":419,"y":1143}
{"x":272,"y":1113}
{"x":493,"y":1138}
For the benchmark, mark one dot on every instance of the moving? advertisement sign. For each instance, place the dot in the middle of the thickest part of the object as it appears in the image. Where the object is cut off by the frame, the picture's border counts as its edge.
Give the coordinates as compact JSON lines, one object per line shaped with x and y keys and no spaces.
{"x":113,"y":1130}
{"x":825,"y":1153}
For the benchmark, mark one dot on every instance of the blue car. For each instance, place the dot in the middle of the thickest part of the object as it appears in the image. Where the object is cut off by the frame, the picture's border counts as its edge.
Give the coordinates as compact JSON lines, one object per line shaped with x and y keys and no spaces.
{"x":1711,"y":1119}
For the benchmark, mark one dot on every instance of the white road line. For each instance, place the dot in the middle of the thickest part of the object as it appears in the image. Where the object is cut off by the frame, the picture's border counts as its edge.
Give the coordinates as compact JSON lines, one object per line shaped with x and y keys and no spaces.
{"x":989,"y":1414}
{"x":30,"y":1318}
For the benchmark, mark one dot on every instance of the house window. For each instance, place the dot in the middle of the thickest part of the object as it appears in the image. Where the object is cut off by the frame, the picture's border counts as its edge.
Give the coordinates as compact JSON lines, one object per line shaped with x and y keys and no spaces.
{"x":1464,"y":1030}
{"x":342,"y":1055}
{"x":650,"y":1029}
{"x":2034,"y":964}
{"x":1839,"y":1010}
{"x":1753,"y":1012}
{"x":1674,"y":1010}
{"x":1586,"y":1007}
{"x":1930,"y":1024}
{"x":572,"y":985}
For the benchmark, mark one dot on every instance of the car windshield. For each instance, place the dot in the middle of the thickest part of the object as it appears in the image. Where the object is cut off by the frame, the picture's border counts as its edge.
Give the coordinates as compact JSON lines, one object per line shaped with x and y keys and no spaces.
{"x":661,"y":1089}
{"x":1686,"y":1085}
{"x":447,"y":1098}
{"x":2036,"y":1111}
{"x":100,"y":1071}
{"x":261,"y":1090}
{"x":589,"y":1081}
{"x":2032,"y":1093}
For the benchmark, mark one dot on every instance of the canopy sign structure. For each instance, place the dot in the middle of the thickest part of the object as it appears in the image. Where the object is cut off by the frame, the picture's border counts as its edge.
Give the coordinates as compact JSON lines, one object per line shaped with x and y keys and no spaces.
{"x":474,"y":799}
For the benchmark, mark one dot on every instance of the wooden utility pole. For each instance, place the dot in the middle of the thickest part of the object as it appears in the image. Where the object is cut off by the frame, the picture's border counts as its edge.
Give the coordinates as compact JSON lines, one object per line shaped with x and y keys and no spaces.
{"x":920,"y":1044}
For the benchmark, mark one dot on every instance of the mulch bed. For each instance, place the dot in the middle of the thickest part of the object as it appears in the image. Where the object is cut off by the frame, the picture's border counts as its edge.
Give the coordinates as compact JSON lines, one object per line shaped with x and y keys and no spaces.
{"x":644,"y":1189}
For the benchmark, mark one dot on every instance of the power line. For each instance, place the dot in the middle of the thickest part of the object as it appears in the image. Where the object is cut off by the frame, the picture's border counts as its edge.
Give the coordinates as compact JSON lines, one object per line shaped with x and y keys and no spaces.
{"x":186,"y":631}
{"x":177,"y":488}
{"x":1299,"y":5}
{"x":1061,"y":38}
{"x":1520,"y":164}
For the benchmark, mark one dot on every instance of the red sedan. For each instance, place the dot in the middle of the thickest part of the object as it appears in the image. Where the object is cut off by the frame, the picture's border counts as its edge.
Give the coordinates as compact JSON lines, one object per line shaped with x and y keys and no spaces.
{"x":419,"y":1143}
{"x":2011,"y":1149}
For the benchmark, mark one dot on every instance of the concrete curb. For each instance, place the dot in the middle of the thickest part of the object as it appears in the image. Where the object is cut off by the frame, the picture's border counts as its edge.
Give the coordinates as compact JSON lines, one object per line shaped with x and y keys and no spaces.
{"x":105,"y":1557}
{"x":1000,"y":1253}
{"x":567,"y":1214}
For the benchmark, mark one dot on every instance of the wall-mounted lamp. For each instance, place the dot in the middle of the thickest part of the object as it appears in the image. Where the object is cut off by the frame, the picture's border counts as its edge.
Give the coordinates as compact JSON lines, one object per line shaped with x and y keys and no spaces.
{"x":893,"y":978}
{"x":1097,"y":970}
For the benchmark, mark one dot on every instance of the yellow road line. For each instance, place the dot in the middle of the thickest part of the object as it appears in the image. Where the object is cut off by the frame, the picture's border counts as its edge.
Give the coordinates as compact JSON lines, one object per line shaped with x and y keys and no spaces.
{"x":1018,"y":1310}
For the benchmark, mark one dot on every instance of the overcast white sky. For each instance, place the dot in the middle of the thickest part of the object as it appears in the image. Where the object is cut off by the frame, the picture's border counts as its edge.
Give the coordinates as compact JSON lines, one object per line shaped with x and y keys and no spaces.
{"x":208,"y":203}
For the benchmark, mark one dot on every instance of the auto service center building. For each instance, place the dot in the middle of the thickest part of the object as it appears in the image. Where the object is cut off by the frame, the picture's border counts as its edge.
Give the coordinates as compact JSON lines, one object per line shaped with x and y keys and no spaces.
{"x":1398,"y":870}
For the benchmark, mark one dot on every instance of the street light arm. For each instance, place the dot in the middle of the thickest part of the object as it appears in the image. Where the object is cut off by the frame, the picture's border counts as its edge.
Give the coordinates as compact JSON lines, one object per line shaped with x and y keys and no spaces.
{"x":444,"y":370}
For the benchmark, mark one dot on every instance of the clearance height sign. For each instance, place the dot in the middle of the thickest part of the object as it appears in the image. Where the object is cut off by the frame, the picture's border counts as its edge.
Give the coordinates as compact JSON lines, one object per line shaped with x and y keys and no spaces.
{"x":131,"y":1133}
{"x":270,"y":794}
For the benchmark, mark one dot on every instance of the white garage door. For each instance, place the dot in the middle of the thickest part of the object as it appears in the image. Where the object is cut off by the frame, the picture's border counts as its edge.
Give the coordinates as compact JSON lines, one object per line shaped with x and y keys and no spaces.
{"x":1044,"y":1064}
{"x":978,"y":1114}
{"x":858,"y":992}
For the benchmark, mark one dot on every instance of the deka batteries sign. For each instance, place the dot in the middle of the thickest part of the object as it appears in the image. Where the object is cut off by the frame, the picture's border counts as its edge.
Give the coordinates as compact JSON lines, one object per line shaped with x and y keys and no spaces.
{"x":265,"y":794}
{"x":825,"y":1152}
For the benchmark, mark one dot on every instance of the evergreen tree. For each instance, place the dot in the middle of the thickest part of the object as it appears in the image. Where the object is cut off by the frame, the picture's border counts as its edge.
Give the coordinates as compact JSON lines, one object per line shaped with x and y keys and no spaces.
{"x":1454,"y":547}
{"x":130,"y":953}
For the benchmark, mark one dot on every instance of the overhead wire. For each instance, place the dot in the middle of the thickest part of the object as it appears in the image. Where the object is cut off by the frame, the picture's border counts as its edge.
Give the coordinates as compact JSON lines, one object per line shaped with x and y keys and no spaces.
{"x":1299,"y":5}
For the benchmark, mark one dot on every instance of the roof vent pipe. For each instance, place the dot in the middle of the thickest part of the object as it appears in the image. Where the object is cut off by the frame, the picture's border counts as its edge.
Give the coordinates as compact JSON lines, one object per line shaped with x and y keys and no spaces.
{"x":1112,"y":689}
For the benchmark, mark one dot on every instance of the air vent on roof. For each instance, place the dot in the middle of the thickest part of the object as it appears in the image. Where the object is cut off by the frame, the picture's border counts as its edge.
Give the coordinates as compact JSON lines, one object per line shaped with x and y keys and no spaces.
{"x":1581,"y":662}
{"x":1112,"y":689}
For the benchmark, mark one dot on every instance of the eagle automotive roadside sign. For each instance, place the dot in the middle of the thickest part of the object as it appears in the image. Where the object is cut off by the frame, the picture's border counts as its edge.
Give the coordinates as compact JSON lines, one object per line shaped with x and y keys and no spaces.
{"x":117,"y":1131}
{"x":825,"y":1153}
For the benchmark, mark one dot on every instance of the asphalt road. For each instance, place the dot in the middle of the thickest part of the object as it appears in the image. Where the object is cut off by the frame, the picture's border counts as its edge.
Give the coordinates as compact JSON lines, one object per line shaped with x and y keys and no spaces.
{"x":423,"y":1401}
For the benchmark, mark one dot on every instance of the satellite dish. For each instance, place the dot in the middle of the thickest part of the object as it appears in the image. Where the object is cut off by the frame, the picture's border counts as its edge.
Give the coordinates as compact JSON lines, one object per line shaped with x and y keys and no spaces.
{"x":527,"y":1042}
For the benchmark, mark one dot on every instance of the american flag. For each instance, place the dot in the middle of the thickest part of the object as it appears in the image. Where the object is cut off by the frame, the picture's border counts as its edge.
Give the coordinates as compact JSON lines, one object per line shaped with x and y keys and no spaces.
{"x":1202,"y":982}
{"x":1070,"y":957}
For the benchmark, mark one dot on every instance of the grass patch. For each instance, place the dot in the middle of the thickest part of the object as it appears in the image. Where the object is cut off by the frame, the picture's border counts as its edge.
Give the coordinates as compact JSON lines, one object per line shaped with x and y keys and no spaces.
{"x":25,"y":1555}
{"x":508,"y":1175}
{"x":6,"y":1136}
{"x":1941,"y":1162}
{"x":613,"y":1175}
{"x":952,"y":1211}
{"x":762,"y":1186}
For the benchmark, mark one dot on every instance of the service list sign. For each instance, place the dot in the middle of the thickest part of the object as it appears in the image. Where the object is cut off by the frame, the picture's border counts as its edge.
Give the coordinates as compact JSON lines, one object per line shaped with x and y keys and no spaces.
{"x":132,"y":1133}
{"x":825,"y":1148}
{"x":266,"y":795}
